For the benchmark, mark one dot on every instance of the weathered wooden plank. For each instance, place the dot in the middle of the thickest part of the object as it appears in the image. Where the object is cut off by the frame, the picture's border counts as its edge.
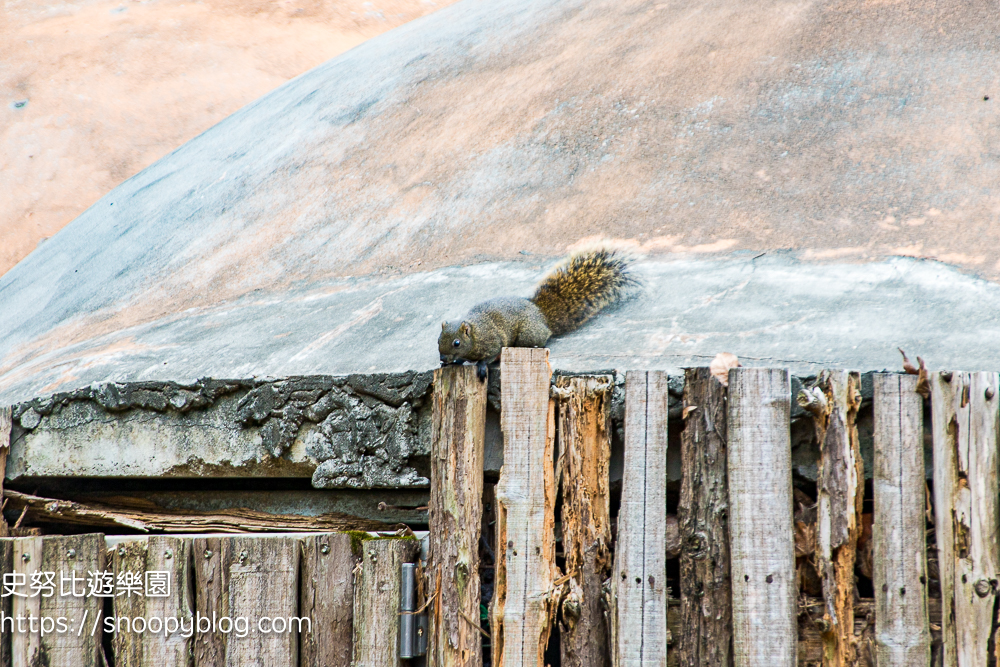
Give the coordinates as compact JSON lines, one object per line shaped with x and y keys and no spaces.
{"x":328,"y":599}
{"x":210,"y":556}
{"x":26,"y":646}
{"x":128,"y":561}
{"x":638,"y":617}
{"x":902,"y":635}
{"x":458,"y":429}
{"x":585,"y":457}
{"x":966,"y":425}
{"x":264,"y":588}
{"x":377,"y":601}
{"x":523,"y":608}
{"x":840,"y":489}
{"x":72,"y":558}
{"x":760,"y":527}
{"x":150,"y":626}
{"x":706,"y":634}
{"x":7,"y":627}
{"x":169,"y":647}
{"x":136,"y":514}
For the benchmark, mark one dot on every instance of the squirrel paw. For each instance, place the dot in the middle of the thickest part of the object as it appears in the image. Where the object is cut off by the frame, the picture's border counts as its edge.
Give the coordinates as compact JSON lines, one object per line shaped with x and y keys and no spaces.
{"x":481,"y":369}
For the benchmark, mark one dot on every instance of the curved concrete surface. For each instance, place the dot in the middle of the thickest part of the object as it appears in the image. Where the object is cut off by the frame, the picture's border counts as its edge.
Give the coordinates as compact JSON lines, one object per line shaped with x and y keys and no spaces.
{"x":328,"y":226}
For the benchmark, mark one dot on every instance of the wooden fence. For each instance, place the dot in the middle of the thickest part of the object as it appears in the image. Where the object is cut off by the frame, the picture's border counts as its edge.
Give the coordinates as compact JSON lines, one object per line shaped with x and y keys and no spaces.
{"x":593,"y":588}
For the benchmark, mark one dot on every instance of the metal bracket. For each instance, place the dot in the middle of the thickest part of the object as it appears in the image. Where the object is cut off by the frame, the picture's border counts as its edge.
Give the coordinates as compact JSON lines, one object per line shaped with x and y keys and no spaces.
{"x":412,"y":626}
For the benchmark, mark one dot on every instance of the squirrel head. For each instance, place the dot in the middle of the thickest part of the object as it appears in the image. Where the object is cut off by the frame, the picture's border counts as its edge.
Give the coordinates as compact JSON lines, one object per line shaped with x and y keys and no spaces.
{"x":455,"y":341}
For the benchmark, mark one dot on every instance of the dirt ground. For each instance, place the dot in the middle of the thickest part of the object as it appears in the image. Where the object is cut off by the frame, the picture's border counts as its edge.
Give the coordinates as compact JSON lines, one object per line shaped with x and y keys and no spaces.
{"x":93,"y":91}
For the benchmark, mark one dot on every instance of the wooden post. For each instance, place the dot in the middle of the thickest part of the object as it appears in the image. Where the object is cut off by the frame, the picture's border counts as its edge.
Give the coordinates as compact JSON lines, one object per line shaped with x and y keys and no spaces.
{"x":26,"y":647}
{"x":639,"y":578}
{"x":155,"y":644}
{"x":128,"y":559}
{"x":263,"y":581}
{"x":585,"y":456}
{"x":458,"y":430}
{"x":73,"y":557}
{"x":967,"y":518}
{"x":523,"y":605}
{"x":840,"y":487}
{"x":377,"y":601}
{"x":327,"y":599}
{"x":6,"y":627}
{"x":211,"y":574}
{"x":765,"y":633}
{"x":902,"y":635}
{"x":706,"y":614}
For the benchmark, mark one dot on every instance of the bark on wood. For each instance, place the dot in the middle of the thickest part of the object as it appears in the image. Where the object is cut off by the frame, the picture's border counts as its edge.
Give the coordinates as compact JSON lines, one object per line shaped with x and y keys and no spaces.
{"x":73,"y":556}
{"x":456,"y":511}
{"x":638,"y":582}
{"x":902,"y":635}
{"x":840,"y":488}
{"x":211,"y":575}
{"x":706,"y":614}
{"x":760,"y":500}
{"x":377,"y":601}
{"x":328,"y":599}
{"x":585,"y":456}
{"x":523,"y":602}
{"x":5,"y":426}
{"x":967,"y":517}
{"x":147,"y":517}
{"x":263,"y":581}
{"x":26,"y":647}
{"x":6,"y":567}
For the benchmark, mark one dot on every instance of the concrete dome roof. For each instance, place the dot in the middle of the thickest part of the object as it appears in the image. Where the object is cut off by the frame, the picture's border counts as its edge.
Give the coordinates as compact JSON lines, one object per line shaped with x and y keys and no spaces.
{"x":330,"y":225}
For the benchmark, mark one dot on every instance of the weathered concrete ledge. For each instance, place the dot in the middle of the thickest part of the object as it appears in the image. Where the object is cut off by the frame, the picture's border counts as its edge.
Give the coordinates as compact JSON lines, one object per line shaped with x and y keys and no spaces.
{"x":351,"y":432}
{"x":347,"y":432}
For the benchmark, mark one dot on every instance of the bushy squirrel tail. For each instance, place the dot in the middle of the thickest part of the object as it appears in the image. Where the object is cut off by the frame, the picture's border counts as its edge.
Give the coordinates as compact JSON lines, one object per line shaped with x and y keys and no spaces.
{"x":583,"y":285}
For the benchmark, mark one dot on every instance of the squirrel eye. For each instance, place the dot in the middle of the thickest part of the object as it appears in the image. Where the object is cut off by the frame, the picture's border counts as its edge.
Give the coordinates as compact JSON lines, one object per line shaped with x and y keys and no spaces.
{"x":457,"y":343}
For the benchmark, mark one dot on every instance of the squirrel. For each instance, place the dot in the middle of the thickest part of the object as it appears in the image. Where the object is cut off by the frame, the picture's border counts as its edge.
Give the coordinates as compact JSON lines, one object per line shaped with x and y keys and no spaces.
{"x":577,"y":289}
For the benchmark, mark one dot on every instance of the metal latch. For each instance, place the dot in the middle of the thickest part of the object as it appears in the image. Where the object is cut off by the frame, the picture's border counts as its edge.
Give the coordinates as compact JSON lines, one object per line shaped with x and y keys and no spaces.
{"x":412,"y":626}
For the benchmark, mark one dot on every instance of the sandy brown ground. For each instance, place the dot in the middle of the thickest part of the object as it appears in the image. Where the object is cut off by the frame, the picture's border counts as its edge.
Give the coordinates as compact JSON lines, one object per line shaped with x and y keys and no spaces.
{"x":93,"y":91}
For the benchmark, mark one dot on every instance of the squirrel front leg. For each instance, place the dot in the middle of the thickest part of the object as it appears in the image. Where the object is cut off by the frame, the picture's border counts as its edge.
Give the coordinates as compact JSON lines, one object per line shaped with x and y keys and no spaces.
{"x":481,"y":371}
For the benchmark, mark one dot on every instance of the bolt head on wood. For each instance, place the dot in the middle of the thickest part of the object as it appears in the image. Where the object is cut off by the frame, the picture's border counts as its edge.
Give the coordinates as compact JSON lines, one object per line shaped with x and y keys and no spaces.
{"x":989,"y":393}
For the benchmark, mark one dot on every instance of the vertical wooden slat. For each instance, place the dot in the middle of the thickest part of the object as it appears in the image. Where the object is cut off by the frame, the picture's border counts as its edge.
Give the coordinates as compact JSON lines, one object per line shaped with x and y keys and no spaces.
{"x":585,"y":456}
{"x":263,"y":581}
{"x":967,"y":518}
{"x":128,"y":559}
{"x":328,"y":599}
{"x":8,"y":627}
{"x":706,"y":634}
{"x":760,"y":500}
{"x":522,"y":603}
{"x":377,"y":601}
{"x":209,"y":558}
{"x":73,"y":555}
{"x":26,"y":647}
{"x":458,"y":429}
{"x":840,"y":488}
{"x":638,"y":581}
{"x":902,"y":635}
{"x":169,"y":647}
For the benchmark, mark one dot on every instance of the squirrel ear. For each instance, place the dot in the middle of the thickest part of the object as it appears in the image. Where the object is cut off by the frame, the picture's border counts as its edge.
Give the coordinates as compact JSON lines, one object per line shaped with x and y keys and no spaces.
{"x":444,"y":325}
{"x":466,"y":328}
